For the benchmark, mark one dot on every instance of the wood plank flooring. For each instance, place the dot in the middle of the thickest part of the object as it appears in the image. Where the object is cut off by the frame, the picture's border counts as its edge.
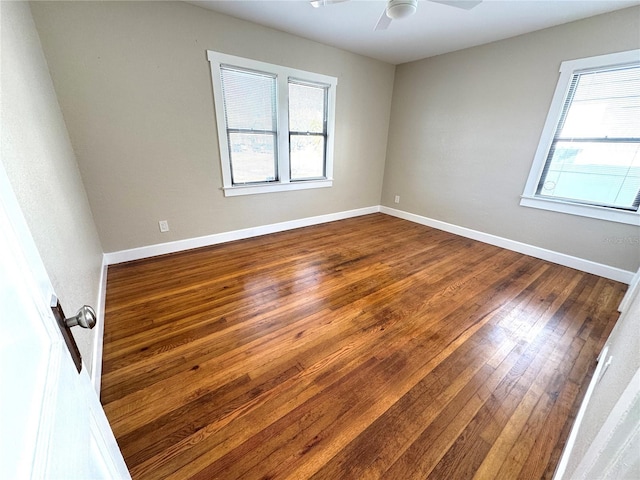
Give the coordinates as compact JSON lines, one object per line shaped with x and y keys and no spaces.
{"x":365,"y":348}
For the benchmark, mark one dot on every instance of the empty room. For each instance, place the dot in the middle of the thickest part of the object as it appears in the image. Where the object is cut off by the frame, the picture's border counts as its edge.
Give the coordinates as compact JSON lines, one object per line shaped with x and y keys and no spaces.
{"x":328,"y":239}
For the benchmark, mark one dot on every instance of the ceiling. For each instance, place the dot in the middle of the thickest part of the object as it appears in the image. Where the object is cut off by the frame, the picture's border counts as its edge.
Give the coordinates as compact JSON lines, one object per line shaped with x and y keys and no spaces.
{"x":434,"y":29}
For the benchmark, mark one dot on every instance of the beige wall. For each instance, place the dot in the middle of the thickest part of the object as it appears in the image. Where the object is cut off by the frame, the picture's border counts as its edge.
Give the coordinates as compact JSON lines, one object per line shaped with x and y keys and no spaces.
{"x":41,"y":166}
{"x":465,"y":127}
{"x":134,"y":85}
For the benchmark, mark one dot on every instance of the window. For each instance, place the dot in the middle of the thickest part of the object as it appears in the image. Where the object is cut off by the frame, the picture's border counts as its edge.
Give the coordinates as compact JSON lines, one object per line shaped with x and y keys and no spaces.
{"x":588,"y":159}
{"x":275,"y":125}
{"x":307,"y":130}
{"x":249,"y":100}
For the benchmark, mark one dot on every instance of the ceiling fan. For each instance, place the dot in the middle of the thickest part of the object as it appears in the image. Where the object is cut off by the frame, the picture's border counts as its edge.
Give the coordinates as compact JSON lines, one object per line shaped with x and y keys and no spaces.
{"x":397,"y":9}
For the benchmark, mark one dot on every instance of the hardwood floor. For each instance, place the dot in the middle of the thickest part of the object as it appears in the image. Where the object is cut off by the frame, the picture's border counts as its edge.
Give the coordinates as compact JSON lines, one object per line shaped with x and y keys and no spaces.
{"x":365,"y":348}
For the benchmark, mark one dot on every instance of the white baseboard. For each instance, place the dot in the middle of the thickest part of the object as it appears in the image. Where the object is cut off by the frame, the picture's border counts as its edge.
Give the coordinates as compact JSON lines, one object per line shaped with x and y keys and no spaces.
{"x":581,"y":264}
{"x":181,"y":245}
{"x":98,"y":342}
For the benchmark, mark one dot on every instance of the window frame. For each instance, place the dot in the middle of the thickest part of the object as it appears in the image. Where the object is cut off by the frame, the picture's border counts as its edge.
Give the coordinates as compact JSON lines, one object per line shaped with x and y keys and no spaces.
{"x":283,"y":76}
{"x":530,"y":198}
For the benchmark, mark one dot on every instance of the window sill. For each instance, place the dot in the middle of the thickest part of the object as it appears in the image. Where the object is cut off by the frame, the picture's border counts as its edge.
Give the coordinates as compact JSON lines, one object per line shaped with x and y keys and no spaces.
{"x":275,"y":187}
{"x":602,"y":213}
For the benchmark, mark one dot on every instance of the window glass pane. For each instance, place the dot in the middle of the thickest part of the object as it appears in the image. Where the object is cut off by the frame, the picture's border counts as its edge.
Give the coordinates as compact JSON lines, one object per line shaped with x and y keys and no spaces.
{"x":249,"y":100}
{"x":605,"y":174}
{"x":307,"y":156}
{"x":306,"y":108}
{"x":252,"y":157}
{"x":595,"y":154}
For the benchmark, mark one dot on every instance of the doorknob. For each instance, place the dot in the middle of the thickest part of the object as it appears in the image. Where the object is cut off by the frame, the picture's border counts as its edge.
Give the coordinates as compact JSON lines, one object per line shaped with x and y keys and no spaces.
{"x":86,"y":318}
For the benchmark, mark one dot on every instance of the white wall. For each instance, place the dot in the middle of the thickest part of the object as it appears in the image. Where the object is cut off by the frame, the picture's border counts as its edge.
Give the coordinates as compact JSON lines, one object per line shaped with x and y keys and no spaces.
{"x":134,"y":85}
{"x":38,"y":158}
{"x":464,"y":131}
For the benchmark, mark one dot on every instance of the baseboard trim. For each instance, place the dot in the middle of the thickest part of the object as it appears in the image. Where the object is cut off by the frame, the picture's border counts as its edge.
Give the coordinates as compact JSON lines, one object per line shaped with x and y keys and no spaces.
{"x":98,"y":342}
{"x":205,"y":241}
{"x":581,"y":264}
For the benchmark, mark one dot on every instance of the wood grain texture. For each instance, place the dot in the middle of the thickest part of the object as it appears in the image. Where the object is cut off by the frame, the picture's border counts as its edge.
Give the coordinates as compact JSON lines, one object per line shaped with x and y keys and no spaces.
{"x":364,"y":348}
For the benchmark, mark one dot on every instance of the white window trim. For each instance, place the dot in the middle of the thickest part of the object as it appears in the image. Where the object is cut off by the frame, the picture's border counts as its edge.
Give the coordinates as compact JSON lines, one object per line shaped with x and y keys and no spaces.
{"x":283,"y":74}
{"x":529,"y":198}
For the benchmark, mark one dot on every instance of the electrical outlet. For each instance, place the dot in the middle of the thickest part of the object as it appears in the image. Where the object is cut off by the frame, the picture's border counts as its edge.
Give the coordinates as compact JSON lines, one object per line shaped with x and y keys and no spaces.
{"x":164,"y":226}
{"x":397,"y":199}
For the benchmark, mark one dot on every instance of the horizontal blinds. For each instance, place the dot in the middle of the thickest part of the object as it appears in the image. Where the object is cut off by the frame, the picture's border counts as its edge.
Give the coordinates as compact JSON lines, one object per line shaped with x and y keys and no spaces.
{"x":605,"y":105}
{"x":307,"y":108}
{"x":249,"y":99}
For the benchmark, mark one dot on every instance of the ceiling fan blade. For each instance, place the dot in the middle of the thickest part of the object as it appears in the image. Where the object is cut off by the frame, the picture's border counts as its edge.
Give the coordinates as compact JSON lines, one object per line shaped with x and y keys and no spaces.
{"x":464,"y":4}
{"x":384,"y":21}
{"x":324,"y":3}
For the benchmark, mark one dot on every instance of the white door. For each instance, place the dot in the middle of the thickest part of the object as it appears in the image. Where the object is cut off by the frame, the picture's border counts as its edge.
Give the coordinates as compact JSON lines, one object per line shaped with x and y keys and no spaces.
{"x":52,"y":425}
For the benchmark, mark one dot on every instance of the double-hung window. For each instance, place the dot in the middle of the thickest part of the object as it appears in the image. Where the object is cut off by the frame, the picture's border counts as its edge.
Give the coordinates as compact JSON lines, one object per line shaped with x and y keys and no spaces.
{"x":588,"y":159}
{"x":275,"y":125}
